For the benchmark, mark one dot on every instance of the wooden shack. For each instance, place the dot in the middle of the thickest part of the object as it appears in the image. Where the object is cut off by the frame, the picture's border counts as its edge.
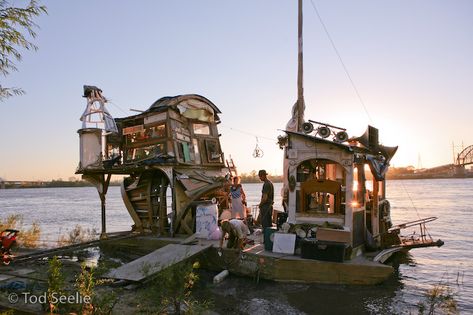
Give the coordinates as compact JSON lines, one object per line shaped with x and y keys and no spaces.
{"x":335,"y":185}
{"x":170,"y":153}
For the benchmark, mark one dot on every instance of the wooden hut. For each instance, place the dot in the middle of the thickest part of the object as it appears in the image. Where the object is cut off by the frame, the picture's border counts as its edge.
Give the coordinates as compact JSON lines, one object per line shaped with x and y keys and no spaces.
{"x":170,"y":153}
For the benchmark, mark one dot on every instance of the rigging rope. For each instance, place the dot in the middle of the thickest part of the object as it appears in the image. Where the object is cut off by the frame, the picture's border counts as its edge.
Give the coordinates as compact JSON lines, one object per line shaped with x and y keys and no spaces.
{"x":121,"y":109}
{"x":414,"y":206}
{"x":341,"y":61}
{"x":250,"y":134}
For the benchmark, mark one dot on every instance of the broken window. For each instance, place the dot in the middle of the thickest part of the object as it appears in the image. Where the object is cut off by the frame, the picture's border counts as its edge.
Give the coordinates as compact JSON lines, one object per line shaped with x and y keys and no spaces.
{"x":156,"y":131}
{"x":195,"y":143}
{"x":213,"y":151}
{"x":145,"y":152}
{"x":201,"y":129}
{"x":184,"y":153}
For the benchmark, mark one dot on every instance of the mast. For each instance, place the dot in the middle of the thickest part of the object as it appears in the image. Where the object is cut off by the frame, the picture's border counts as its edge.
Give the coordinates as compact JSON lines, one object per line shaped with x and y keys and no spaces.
{"x":300,"y":88}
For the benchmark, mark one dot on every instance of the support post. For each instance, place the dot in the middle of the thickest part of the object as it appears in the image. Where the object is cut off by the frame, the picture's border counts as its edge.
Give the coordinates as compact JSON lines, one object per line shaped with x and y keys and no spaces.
{"x":375,"y":210}
{"x":104,"y":183}
{"x":101,"y":183}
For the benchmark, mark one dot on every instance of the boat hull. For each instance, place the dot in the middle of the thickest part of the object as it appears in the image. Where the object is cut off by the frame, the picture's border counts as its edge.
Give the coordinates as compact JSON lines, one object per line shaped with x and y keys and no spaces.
{"x":260,"y":264}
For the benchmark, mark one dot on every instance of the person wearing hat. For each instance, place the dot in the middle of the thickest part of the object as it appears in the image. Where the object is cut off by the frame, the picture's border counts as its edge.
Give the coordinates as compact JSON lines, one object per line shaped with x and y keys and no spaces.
{"x":237,"y":232}
{"x":267,"y":200}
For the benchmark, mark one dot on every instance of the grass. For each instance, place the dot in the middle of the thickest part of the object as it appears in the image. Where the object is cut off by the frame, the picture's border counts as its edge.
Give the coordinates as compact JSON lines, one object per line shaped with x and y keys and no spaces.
{"x":170,"y":291}
{"x":77,"y":235}
{"x":438,"y":300}
{"x":28,"y":237}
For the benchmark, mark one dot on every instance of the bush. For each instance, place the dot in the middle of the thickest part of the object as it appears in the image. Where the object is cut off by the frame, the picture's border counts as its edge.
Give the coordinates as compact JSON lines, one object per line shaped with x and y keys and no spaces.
{"x":440,"y":298}
{"x":26,"y":237}
{"x":172,"y":288}
{"x":55,"y":282}
{"x":77,"y":235}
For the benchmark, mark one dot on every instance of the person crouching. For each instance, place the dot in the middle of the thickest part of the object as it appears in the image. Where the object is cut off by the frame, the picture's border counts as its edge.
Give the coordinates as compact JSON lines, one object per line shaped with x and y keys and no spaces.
{"x":237,"y":232}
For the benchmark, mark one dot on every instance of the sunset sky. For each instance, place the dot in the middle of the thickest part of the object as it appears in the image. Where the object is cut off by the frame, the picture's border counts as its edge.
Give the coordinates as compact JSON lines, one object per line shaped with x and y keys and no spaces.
{"x":411,"y":62}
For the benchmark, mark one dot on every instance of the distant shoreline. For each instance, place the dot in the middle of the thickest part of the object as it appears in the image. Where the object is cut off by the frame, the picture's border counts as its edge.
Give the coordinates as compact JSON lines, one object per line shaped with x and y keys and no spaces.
{"x":277,"y":179}
{"x":415,"y":176}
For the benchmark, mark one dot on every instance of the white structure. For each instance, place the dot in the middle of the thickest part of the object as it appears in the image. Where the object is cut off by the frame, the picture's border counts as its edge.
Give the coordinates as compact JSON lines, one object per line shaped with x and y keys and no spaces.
{"x":97,"y":123}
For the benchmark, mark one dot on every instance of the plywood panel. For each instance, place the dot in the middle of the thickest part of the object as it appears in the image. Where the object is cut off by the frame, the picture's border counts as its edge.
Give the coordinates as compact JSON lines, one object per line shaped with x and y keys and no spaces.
{"x":148,"y":265}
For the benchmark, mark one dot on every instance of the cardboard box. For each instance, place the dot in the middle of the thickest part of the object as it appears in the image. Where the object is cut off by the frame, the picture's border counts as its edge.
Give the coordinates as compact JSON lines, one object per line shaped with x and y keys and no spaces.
{"x":284,"y":243}
{"x":334,"y":235}
{"x":206,"y":220}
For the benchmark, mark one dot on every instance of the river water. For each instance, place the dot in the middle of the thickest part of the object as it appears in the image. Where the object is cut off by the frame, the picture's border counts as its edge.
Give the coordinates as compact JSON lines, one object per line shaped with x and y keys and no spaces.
{"x":58,"y":210}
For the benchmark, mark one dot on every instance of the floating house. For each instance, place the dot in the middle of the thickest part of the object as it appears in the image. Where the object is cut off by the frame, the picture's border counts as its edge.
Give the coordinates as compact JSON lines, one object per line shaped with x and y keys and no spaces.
{"x":170,"y":154}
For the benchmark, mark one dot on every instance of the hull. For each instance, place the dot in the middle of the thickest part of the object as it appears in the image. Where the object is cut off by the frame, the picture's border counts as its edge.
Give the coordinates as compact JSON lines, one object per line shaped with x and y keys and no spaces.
{"x":259,"y":264}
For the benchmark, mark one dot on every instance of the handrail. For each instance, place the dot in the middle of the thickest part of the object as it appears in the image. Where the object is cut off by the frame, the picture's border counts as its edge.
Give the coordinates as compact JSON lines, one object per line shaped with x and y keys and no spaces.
{"x":412,"y":223}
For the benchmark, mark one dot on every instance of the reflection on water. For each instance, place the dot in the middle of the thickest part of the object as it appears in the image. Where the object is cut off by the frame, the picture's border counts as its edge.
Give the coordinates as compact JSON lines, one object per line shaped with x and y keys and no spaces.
{"x":60,"y":209}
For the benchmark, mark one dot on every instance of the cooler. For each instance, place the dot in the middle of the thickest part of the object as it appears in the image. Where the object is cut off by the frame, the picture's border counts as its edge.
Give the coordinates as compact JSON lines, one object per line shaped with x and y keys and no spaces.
{"x":323,"y":250}
{"x":269,"y":238}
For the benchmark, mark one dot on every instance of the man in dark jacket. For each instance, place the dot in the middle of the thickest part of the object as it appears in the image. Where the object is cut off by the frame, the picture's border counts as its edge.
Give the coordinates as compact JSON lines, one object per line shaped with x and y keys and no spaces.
{"x":267,"y":200}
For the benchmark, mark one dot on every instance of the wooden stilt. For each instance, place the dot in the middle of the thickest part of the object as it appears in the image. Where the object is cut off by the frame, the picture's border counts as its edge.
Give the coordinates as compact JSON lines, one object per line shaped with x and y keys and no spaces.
{"x":102,"y":189}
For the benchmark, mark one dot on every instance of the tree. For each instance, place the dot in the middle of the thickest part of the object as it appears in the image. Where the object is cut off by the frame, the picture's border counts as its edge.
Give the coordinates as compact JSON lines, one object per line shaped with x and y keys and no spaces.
{"x":14,"y":22}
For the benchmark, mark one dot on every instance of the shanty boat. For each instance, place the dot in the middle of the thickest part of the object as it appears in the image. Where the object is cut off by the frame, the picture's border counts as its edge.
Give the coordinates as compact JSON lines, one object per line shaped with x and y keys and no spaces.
{"x":335,"y":189}
{"x":170,"y":153}
{"x":334,"y":194}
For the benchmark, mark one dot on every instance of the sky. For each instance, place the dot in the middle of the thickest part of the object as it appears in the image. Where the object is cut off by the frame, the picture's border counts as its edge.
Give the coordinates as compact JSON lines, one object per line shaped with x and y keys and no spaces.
{"x":410,"y":62}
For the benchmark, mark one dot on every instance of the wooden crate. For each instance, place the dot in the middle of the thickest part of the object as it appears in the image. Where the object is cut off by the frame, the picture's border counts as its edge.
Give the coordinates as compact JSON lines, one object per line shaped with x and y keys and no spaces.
{"x":334,"y":235}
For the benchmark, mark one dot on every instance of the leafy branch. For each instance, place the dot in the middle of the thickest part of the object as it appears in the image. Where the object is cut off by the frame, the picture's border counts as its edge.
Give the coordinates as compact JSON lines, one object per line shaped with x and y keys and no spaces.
{"x":16,"y":29}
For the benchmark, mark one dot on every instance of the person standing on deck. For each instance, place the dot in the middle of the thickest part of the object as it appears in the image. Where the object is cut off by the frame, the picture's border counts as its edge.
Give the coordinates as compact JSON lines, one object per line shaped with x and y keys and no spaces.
{"x":267,"y":200}
{"x":238,"y":198}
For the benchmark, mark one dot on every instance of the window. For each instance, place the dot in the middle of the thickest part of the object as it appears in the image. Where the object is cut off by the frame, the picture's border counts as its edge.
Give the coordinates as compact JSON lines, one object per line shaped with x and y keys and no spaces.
{"x":144,"y":134}
{"x":322,"y":187}
{"x":321,"y":196}
{"x":184,"y":154}
{"x":146,"y":152}
{"x":156,"y":131}
{"x":201,"y":129}
{"x":135,"y":137}
{"x":213,"y":151}
{"x":195,"y":143}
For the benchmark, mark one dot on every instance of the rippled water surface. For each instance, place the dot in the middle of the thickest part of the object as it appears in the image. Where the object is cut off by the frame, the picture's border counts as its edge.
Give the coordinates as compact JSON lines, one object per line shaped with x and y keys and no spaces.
{"x":58,"y":210}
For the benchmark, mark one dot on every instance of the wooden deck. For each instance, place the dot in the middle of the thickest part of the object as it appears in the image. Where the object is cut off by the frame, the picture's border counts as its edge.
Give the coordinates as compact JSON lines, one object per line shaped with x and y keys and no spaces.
{"x":254,"y":262}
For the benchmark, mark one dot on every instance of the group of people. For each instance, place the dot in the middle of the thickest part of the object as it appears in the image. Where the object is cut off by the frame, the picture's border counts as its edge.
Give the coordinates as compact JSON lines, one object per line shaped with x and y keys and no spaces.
{"x":236,"y":227}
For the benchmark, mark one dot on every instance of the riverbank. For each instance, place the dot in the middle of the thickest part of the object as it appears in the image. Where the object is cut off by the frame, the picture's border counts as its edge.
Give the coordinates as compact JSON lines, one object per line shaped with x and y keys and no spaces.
{"x":82,"y":273}
{"x":275,"y":179}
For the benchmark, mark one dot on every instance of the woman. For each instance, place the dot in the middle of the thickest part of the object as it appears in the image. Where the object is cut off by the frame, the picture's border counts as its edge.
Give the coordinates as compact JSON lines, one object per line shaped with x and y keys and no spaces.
{"x":238,"y":199}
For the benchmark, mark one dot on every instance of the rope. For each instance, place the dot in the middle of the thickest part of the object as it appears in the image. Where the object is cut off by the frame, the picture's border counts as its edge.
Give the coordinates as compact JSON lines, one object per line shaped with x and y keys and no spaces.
{"x":118,"y":107}
{"x":250,"y":134}
{"x":415,"y":208}
{"x":341,"y":61}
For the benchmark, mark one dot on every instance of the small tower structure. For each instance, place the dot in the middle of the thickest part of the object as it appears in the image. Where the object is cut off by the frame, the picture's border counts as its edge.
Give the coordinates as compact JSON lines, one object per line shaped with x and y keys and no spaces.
{"x":97,"y":123}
